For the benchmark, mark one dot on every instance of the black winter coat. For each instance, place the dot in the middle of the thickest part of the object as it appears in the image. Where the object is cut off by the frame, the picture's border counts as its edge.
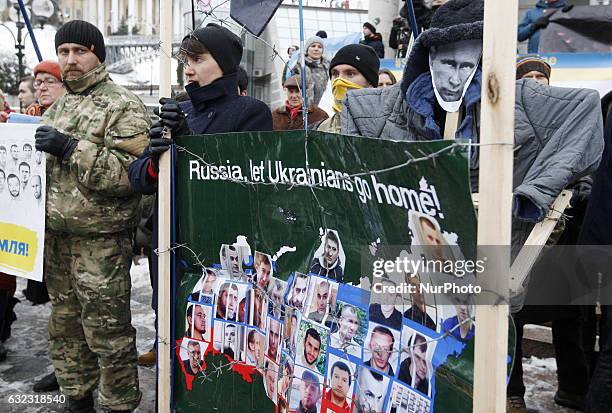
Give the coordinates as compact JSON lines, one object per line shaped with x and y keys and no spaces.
{"x":215,"y":108}
{"x":376,"y":43}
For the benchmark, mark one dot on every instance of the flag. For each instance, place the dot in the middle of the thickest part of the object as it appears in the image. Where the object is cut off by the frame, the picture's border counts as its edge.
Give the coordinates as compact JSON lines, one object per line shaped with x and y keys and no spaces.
{"x":254,"y":15}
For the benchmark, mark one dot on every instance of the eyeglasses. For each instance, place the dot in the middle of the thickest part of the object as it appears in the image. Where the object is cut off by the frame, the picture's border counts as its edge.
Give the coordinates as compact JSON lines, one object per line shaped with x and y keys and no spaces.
{"x":48,"y":82}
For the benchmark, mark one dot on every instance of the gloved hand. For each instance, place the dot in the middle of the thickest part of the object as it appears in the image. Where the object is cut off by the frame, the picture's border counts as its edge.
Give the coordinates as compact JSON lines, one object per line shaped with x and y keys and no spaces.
{"x":581,"y":194}
{"x":173,"y":117}
{"x":541,"y":22}
{"x":157,"y":143}
{"x":52,"y":141}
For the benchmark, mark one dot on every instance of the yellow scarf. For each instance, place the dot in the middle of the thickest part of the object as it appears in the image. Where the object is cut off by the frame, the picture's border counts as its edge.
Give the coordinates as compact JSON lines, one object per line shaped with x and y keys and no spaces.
{"x":339,"y":88}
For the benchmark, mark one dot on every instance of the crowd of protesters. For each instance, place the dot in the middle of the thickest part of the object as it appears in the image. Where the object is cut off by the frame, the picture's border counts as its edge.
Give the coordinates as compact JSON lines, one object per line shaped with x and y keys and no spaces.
{"x":111,"y":162}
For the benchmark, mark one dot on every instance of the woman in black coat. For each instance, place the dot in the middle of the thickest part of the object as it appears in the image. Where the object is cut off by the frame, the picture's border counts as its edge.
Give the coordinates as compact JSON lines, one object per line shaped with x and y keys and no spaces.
{"x":212,"y":55}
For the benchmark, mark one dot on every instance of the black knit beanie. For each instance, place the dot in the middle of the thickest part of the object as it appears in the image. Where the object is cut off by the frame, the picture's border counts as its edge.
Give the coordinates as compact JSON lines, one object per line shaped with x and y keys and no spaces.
{"x":224,"y":46}
{"x":83,"y":33}
{"x":361,"y":57}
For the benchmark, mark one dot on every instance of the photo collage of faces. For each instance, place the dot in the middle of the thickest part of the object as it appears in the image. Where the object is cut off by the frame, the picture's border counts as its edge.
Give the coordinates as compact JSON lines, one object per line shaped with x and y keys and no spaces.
{"x":21,"y":173}
{"x":320,"y":345}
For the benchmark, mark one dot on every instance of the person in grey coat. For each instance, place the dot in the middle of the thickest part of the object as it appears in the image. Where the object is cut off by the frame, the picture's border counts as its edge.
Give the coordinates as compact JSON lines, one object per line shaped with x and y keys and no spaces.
{"x":558,"y":131}
{"x":316,"y":68}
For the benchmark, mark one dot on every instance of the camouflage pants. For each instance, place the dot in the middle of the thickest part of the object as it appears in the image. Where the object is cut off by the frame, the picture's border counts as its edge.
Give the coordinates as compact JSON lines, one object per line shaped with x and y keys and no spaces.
{"x":91,"y":338}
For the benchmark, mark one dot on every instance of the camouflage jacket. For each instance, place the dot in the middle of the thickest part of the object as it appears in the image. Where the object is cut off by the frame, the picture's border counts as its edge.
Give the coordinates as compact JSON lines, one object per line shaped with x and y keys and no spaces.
{"x":90,"y":193}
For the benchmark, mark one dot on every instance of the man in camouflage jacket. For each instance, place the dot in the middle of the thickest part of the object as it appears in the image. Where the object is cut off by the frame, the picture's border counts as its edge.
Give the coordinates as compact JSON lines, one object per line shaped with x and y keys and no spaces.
{"x":91,"y":135}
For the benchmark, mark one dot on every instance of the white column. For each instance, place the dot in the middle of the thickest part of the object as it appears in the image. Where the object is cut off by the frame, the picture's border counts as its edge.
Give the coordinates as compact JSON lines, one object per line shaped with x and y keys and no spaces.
{"x":115,"y":13}
{"x":131,"y":17}
{"x":101,"y":18}
{"x":148,"y":19}
{"x":385,"y":11}
{"x":176,"y":14}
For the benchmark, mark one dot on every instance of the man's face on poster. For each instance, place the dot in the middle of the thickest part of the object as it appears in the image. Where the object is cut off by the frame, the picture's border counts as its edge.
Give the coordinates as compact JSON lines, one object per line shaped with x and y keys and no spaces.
{"x":231,"y":302}
{"x":419,"y":358}
{"x":340,"y":382}
{"x":36,"y":186}
{"x":263,"y":274}
{"x":312,"y":348}
{"x":273,"y":339}
{"x":452,"y":64}
{"x":348,"y":325}
{"x":270,"y":379}
{"x":14,"y":152}
{"x":2,"y":180}
{"x":13,"y":186}
{"x":432,"y":238}
{"x":331,"y":252}
{"x":381,"y":346}
{"x":2,"y":156}
{"x":371,"y":392}
{"x":234,"y":261}
{"x":230,"y":335}
{"x":194,"y":356}
{"x":24,"y":172}
{"x":209,"y":283}
{"x":322,"y":296}
{"x":299,"y":292}
{"x":416,"y":295}
{"x":37,"y":156}
{"x":200,"y":319}
{"x":276,"y":296}
{"x":310,"y":393}
{"x":27,"y":151}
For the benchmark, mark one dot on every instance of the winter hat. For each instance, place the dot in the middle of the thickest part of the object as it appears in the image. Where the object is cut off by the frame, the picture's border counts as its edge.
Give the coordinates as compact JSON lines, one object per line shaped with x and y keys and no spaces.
{"x":48,"y":66}
{"x":83,"y":33}
{"x":529,"y":63}
{"x":370,"y":27}
{"x":294,"y":81}
{"x":454,"y":21}
{"x":361,"y":57}
{"x":322,"y":34}
{"x":224,"y":46}
{"x":311,"y":40}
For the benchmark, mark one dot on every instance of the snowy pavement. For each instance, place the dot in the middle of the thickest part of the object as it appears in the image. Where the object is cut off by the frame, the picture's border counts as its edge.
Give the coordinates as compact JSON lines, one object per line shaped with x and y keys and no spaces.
{"x":20,"y":371}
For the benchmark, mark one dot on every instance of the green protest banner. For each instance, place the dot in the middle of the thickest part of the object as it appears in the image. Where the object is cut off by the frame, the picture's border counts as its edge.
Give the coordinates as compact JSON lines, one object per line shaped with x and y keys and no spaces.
{"x":275,"y":232}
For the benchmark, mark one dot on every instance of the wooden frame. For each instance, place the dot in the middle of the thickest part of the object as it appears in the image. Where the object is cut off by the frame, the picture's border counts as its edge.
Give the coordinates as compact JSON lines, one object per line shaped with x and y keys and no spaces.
{"x":164,"y":310}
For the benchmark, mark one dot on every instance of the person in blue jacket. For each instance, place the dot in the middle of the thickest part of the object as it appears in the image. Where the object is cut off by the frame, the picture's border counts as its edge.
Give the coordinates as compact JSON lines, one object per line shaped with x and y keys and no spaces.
{"x":535,"y":20}
{"x":211,"y":56}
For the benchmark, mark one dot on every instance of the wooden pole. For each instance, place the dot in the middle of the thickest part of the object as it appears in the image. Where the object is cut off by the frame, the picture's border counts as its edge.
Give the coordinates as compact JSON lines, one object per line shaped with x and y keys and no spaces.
{"x":164,"y":310}
{"x":495,"y":192}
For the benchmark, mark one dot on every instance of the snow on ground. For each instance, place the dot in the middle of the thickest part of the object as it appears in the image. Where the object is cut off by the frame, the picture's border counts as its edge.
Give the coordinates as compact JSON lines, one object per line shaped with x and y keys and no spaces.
{"x":22,"y":368}
{"x":20,"y":371}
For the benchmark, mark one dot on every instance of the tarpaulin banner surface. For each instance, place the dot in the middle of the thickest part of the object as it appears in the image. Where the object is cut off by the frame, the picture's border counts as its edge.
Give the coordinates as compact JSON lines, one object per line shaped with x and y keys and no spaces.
{"x":582,"y":29}
{"x":278,"y":307}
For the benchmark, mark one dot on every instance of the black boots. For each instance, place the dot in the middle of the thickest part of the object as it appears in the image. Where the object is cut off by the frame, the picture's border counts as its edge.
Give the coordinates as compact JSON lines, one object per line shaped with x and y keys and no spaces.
{"x":46,"y":384}
{"x":84,"y":405}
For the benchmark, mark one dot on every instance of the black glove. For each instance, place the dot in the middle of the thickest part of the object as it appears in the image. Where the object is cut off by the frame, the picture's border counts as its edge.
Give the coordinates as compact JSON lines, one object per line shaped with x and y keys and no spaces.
{"x":541,"y":22}
{"x":173,"y":117}
{"x":157,"y":143}
{"x":52,"y":141}
{"x":581,"y":194}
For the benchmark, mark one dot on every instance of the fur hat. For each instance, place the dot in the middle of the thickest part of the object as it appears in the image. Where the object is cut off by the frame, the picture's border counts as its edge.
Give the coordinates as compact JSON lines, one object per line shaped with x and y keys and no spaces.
{"x":454,"y":21}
